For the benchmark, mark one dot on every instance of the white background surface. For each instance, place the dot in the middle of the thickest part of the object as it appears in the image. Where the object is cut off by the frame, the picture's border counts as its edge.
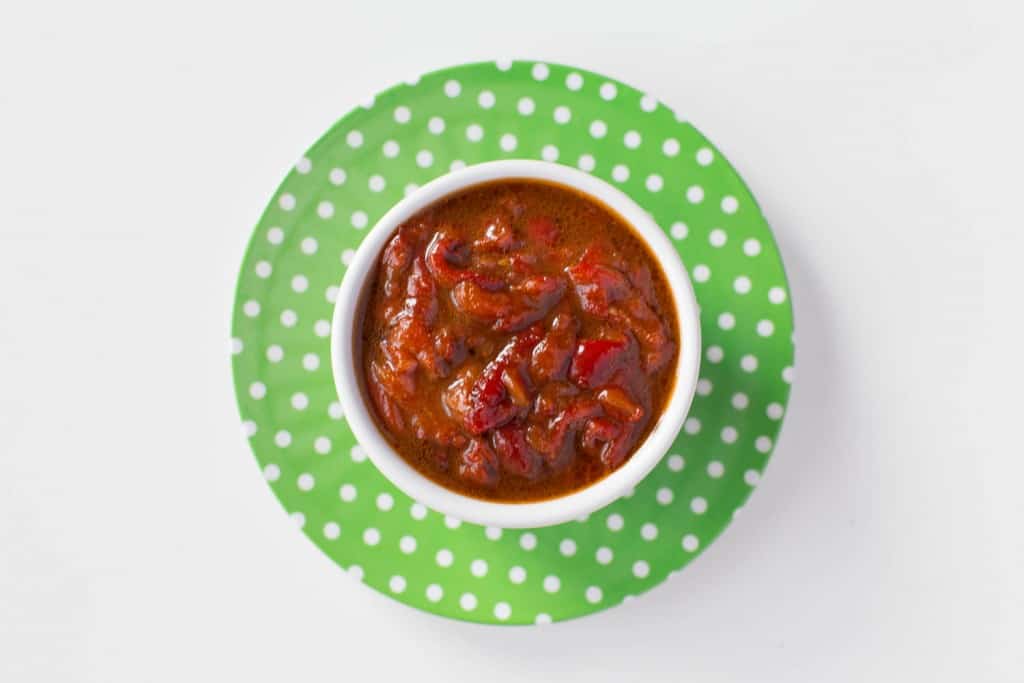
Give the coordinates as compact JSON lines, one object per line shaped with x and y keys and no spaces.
{"x":138,"y":147}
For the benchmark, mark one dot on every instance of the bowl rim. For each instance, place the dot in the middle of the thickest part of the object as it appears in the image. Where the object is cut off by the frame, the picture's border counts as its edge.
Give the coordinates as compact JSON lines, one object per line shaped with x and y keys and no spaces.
{"x":531,"y":514}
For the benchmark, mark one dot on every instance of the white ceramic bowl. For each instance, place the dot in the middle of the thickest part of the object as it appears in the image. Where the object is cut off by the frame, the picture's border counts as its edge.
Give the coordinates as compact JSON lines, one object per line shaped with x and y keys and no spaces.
{"x":348,"y":371}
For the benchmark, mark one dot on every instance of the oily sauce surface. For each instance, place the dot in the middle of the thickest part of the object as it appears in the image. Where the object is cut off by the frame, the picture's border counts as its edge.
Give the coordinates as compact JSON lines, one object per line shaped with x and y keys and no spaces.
{"x":518,"y":341}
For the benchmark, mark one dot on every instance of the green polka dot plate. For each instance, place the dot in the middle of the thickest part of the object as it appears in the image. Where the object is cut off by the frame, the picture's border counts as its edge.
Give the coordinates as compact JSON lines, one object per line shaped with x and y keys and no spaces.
{"x":407,"y":136}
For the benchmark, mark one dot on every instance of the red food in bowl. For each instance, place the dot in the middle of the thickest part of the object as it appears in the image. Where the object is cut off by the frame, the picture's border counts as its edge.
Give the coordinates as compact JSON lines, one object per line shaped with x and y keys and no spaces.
{"x":519,"y":341}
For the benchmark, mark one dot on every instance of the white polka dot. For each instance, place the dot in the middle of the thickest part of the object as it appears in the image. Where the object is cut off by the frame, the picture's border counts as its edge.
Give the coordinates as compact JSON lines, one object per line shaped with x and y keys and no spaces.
{"x":434,"y":593}
{"x":704,"y":386}
{"x":654,"y":182}
{"x":664,"y":495}
{"x":275,"y":235}
{"x":776,"y":295}
{"x":615,"y":522}
{"x":306,"y":481}
{"x":641,"y":569}
{"x":332,"y":530}
{"x":717,"y":237}
{"x":287,"y":201}
{"x":730,"y":204}
{"x":257,"y":390}
{"x":322,"y":445}
{"x":397,"y":584}
{"x":540,"y":71}
{"x":357,"y":453}
{"x":321,"y":328}
{"x":752,"y":477}
{"x":549,"y":153}
{"x":727,"y":321}
{"x":695,"y":194}
{"x":741,"y":284}
{"x":309,"y":246}
{"x":418,"y":511}
{"x":289,"y":317}
{"x":503,"y":64}
{"x":474,"y":133}
{"x":678,"y":230}
{"x":608,"y":91}
{"x":649,"y":531}
{"x":354,"y":139}
{"x":248,"y":428}
{"x":337,"y":176}
{"x":748,"y":362}
{"x":542,"y":619}
{"x":444,"y":558}
{"x":528,"y":541}
{"x":467,"y":602}
{"x":371,"y":536}
{"x":331,"y":293}
{"x":410,"y":188}
{"x":701,"y":273}
{"x":604,"y":555}
{"x":358,"y":219}
{"x":457,"y":165}
{"x":774,"y":411}
{"x":493,"y":533}
{"x":567,"y":547}
{"x":376,"y":183}
{"x":705,"y":156}
{"x":763,"y":444}
{"x":390,"y":149}
{"x":452,"y":522}
{"x":368,"y":102}
{"x":562,"y":114}
{"x":271,"y":472}
{"x":630,"y":493}
{"x":715,"y":354}
{"x":690,"y":543}
{"x":402,"y":114}
{"x":648,"y":103}
{"x":740,"y":401}
{"x":517,"y":574}
{"x":486,"y":99}
{"x":586,"y":163}
{"x":620,"y":173}
{"x":300,"y":283}
{"x":593,"y":595}
{"x":729,"y":435}
{"x":356,"y":572}
{"x":303,"y":165}
{"x":751,"y":247}
{"x":275,"y":353}
{"x":311,"y":361}
{"x":691,"y":426}
{"x":787,"y":374}
{"x":435,"y":125}
{"x":765,"y":328}
{"x":335,"y":411}
{"x":598,"y":129}
{"x":300,"y":401}
{"x":525,"y":106}
{"x":283,"y":438}
{"x":263,"y":269}
{"x":348,"y":492}
{"x":502,"y":611}
{"x":478,"y":568}
{"x":385,"y":502}
{"x":574,"y":81}
{"x":552,"y":583}
{"x":508,"y":142}
{"x":676,"y":463}
{"x":407,"y":544}
{"x":699,"y":505}
{"x":298,"y":519}
{"x":670,"y":147}
{"x":716,"y":469}
{"x":631,"y":139}
{"x":452,"y":88}
{"x":346,"y":257}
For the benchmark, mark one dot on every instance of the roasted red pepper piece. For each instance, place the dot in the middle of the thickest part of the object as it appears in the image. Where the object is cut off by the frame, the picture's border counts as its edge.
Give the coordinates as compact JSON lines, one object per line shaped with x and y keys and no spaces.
{"x":526,"y":302}
{"x":515,"y":455}
{"x":550,"y":359}
{"x":490,"y":405}
{"x":478,"y":464}
{"x":596,"y":360}
{"x":597,"y":284}
{"x":447,"y":257}
{"x":542,"y":231}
